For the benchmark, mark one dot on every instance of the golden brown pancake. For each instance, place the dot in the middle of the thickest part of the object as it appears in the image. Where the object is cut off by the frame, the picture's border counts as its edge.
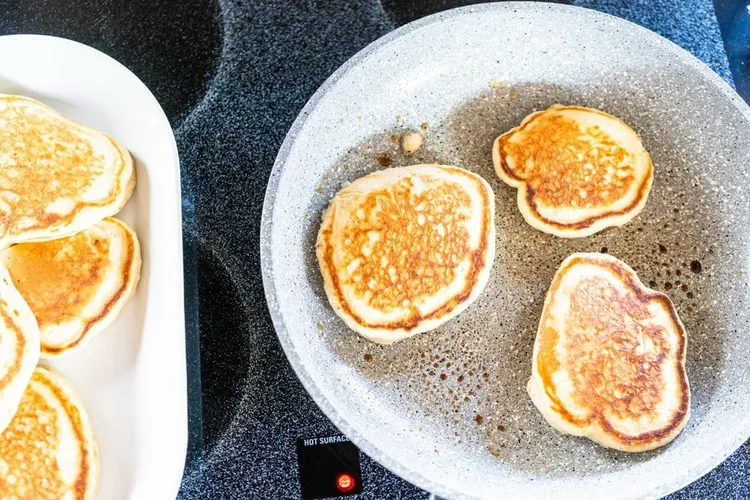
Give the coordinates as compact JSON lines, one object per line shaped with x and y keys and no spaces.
{"x":48,"y":451}
{"x":609,"y":357}
{"x":57,"y":177}
{"x":19,"y":347}
{"x":403,"y":250}
{"x":578,"y":170}
{"x":76,"y":285}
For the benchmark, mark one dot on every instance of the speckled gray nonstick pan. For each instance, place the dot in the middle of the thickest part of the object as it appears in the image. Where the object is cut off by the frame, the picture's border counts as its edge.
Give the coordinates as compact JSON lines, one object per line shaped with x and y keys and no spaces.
{"x":448,"y":409}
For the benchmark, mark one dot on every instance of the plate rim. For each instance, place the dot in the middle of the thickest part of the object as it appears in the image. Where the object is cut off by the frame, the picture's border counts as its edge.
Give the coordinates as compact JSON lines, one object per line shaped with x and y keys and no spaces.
{"x":266,"y":230}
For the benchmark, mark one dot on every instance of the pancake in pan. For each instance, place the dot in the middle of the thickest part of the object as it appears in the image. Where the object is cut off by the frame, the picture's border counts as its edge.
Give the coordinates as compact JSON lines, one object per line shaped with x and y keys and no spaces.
{"x":76,"y":285}
{"x":19,"y":347}
{"x":403,"y":250}
{"x":609,"y":357}
{"x":48,"y":451}
{"x":57,"y":177}
{"x":578,"y":170}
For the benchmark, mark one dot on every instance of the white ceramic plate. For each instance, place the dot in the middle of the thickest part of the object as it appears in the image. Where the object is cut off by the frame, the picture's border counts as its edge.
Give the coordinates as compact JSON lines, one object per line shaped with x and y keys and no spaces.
{"x":131,"y":376}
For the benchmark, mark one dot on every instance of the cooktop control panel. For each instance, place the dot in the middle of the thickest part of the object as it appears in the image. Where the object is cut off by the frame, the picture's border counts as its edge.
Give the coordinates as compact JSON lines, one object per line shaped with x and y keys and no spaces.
{"x":328,"y":467}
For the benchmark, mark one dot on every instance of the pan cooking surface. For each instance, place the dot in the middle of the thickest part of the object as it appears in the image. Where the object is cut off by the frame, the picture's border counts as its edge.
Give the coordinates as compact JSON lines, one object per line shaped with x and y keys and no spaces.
{"x":448,"y":409}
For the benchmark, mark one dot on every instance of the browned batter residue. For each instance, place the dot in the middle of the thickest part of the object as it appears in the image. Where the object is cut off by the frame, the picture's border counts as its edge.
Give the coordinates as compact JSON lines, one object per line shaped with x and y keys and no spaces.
{"x":384,"y":159}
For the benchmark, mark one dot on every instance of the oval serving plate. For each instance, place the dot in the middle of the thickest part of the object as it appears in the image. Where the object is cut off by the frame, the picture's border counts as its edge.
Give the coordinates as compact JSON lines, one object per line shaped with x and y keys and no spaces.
{"x":448,"y":410}
{"x":132,"y":375}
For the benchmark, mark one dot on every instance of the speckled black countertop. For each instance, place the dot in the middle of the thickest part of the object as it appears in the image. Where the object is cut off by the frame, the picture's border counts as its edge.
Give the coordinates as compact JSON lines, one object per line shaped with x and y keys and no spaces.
{"x":232,"y":75}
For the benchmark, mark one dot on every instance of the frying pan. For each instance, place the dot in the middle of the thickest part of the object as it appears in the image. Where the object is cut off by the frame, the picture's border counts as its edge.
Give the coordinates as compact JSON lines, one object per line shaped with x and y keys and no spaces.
{"x":447,"y":410}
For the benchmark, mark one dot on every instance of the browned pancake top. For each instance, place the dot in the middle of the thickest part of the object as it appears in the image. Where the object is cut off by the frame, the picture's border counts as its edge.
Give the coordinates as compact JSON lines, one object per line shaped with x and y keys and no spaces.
{"x":59,"y":278}
{"x":567,"y":165}
{"x":422,"y":240}
{"x":11,"y":326}
{"x":51,"y":162}
{"x":602,"y":349}
{"x":28,"y":447}
{"x":613,"y":357}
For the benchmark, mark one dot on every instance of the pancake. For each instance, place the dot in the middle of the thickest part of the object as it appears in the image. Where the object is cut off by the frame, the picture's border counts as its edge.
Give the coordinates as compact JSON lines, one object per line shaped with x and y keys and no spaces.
{"x":48,"y":451}
{"x":578,"y":170}
{"x":76,"y":285}
{"x":19,"y":347}
{"x":609,"y":357}
{"x":57,"y":177}
{"x":403,"y":250}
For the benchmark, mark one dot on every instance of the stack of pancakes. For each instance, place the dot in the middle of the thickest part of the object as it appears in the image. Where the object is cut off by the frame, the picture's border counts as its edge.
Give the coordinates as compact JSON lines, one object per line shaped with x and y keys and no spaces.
{"x":404,"y":250}
{"x":68,"y":269}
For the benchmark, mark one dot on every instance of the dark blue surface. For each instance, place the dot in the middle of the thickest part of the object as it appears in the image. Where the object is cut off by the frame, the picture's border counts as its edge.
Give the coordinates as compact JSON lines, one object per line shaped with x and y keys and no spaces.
{"x":232,"y":77}
{"x":734,"y":21}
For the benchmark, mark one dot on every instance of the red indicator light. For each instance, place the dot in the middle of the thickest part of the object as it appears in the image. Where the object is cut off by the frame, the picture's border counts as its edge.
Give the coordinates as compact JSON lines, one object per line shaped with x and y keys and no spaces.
{"x":345,"y":482}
